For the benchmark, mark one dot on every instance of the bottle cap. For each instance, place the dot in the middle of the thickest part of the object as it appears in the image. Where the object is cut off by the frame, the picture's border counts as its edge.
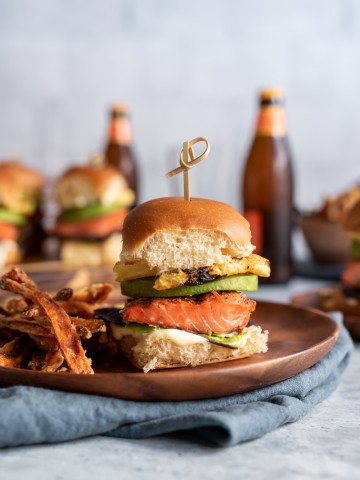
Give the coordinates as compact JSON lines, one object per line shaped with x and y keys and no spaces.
{"x":119,"y":109}
{"x":272,"y":93}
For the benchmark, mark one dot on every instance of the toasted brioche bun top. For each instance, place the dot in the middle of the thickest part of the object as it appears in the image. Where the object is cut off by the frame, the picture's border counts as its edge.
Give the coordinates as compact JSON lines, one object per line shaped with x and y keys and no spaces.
{"x":84,"y":185}
{"x":170,"y":232}
{"x":178,"y":214}
{"x":19,"y":187}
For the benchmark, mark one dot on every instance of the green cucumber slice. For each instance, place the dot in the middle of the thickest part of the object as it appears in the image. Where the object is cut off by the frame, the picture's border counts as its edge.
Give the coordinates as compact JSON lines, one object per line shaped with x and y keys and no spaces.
{"x":355,"y":249}
{"x":9,"y":216}
{"x":88,"y":212}
{"x":143,"y":287}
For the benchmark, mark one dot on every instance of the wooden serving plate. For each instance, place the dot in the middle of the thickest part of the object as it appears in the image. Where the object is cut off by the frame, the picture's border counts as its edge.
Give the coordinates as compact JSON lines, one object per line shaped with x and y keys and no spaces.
{"x":298,"y":338}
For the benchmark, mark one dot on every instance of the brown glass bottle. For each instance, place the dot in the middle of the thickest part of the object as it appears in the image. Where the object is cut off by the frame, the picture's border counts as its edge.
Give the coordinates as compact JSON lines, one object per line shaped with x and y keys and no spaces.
{"x":119,"y":149}
{"x":267,"y":186}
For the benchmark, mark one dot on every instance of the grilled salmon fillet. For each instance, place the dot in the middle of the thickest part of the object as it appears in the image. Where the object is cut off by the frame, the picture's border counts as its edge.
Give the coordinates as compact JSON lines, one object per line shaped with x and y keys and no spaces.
{"x":214,"y":312}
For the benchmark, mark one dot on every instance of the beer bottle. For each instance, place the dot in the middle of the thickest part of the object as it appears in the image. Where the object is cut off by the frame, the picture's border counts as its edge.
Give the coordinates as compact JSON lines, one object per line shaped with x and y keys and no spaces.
{"x":119,"y":149}
{"x":267,"y":187}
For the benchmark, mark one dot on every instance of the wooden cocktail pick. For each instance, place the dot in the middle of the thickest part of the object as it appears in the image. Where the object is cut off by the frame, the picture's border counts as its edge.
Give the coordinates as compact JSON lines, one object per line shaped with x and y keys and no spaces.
{"x":186,"y":164}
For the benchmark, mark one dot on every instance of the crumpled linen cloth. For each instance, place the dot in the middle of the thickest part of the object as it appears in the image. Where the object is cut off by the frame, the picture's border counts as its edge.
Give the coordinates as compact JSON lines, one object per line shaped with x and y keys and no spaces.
{"x":30,"y":415}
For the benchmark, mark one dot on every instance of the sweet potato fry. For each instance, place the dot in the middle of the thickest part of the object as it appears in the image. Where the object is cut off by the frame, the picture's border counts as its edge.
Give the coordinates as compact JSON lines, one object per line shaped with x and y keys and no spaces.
{"x":63,"y":294}
{"x":32,"y":324}
{"x":93,"y":324}
{"x":14,"y":353}
{"x":48,"y":330}
{"x":15,"y":305}
{"x":73,"y":307}
{"x":85,"y":327}
{"x":46,"y":361}
{"x":53,"y":361}
{"x":33,"y":312}
{"x":24,"y":326}
{"x":96,"y":293}
{"x":37,"y":360}
{"x":20,"y":276}
{"x":16,"y":281}
{"x":45,"y":343}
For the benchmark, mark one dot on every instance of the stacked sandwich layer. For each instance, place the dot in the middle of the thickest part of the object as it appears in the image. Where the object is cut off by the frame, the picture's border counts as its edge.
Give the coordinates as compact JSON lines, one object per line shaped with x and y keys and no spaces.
{"x":93,"y":202}
{"x":20,"y":192}
{"x":184,"y":264}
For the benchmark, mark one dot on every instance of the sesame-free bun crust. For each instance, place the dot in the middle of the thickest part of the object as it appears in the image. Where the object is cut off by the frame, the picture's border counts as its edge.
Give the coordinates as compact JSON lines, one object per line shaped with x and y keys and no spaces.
{"x":178,"y":214}
{"x":20,"y":186}
{"x":84,"y":185}
{"x":171,"y":232}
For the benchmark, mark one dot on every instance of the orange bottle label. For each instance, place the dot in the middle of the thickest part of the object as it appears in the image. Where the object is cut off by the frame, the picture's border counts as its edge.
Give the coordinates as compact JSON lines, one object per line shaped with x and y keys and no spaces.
{"x":255,"y":218}
{"x":120,"y":131}
{"x":271,"y":122}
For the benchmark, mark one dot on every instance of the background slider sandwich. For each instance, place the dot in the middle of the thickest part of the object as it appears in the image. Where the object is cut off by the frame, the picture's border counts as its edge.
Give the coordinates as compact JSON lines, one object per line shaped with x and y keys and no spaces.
{"x":93,"y":202}
{"x":20,"y":216}
{"x":183,"y":265}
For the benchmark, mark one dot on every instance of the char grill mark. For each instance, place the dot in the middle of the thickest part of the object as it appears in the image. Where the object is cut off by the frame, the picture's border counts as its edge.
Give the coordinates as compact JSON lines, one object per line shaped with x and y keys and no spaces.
{"x":199,"y":276}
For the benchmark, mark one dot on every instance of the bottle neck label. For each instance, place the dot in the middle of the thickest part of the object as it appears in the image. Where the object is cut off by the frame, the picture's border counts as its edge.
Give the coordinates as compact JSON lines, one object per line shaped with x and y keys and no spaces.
{"x":120,"y":131}
{"x":271,"y":122}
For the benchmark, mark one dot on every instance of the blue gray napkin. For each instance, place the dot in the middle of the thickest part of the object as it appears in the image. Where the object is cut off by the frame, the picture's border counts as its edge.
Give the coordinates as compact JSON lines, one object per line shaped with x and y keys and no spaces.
{"x":30,"y":415}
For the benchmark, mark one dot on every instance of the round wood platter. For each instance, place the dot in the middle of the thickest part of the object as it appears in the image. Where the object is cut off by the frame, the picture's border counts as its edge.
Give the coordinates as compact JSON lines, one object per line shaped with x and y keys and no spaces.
{"x":298,"y":338}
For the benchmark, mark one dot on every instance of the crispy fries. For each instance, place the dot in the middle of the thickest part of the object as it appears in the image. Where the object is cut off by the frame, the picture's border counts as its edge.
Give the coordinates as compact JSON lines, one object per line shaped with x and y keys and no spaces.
{"x":24,"y":326}
{"x":73,"y":307}
{"x":48,"y":329}
{"x":63,"y":294}
{"x":64,"y":330}
{"x":15,"y":305}
{"x":50,"y":361}
{"x":96,"y":293}
{"x":14,"y":353}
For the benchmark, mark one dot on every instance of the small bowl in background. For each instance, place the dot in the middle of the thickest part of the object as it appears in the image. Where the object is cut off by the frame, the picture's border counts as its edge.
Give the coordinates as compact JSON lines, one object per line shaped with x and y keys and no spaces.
{"x":327,"y":241}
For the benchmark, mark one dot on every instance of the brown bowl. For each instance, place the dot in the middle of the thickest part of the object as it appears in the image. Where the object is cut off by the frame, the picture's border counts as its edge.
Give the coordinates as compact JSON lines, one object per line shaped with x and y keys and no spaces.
{"x":327,"y":241}
{"x":311,"y":299}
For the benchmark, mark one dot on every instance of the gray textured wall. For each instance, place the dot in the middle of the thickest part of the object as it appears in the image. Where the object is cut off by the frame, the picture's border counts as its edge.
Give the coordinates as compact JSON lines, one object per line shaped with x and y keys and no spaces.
{"x":186,"y":68}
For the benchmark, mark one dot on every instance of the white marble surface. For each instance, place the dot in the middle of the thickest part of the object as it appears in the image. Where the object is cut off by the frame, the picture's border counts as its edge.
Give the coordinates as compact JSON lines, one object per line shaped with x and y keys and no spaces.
{"x":324,"y":444}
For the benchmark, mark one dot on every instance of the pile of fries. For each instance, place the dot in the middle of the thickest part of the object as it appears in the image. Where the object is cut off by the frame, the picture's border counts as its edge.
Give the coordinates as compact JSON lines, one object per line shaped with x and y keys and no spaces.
{"x":44,"y":332}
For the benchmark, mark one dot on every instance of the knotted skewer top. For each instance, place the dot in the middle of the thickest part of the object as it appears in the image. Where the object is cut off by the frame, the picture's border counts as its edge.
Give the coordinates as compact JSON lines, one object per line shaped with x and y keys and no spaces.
{"x":186,"y":164}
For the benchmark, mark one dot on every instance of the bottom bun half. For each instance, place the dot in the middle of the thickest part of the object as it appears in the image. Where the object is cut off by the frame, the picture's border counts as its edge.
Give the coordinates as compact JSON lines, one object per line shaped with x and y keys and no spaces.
{"x":10,"y":253}
{"x":168,"y":349}
{"x":91,"y":253}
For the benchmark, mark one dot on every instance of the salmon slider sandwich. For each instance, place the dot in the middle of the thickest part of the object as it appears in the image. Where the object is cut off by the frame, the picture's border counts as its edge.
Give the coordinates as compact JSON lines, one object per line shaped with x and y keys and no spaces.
{"x":93,"y":201}
{"x":184,"y":265}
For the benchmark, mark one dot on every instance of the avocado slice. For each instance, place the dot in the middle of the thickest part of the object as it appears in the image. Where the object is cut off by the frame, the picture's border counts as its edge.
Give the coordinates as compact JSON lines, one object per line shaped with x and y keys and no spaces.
{"x":88,"y":212}
{"x":143,"y":287}
{"x":235,"y":341}
{"x":140,"y":327}
{"x":355,"y":249}
{"x":9,"y":216}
